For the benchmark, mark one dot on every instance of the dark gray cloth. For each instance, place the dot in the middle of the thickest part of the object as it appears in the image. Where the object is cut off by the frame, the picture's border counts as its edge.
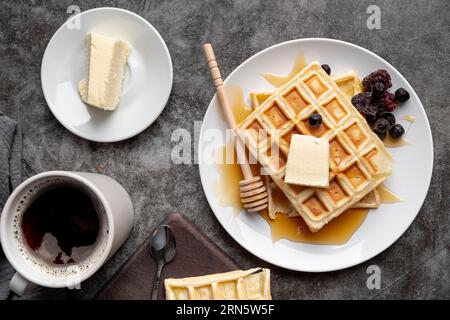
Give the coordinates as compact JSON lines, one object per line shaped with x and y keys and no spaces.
{"x":10,"y":157}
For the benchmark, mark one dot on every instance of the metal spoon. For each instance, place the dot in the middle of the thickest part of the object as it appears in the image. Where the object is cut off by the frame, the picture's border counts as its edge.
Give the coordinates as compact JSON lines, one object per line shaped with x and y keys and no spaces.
{"x":163,"y":250}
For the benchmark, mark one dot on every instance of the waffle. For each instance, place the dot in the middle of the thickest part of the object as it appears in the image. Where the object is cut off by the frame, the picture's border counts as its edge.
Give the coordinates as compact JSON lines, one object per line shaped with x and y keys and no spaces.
{"x":371,"y":200}
{"x":350,"y":85}
{"x":358,"y":159}
{"x":279,"y":204}
{"x":253,"y":284}
{"x":258,"y":98}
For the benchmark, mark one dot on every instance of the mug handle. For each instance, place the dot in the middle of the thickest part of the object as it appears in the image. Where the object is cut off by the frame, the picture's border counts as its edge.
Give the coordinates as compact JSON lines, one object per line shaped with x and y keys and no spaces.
{"x":19,"y":285}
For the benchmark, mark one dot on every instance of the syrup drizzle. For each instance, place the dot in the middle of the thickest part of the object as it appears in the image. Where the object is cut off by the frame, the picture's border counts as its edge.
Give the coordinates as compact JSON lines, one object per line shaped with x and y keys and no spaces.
{"x":396,"y":143}
{"x":390,"y":142}
{"x":278,"y":81}
{"x":238,"y":105}
{"x":410,"y":119}
{"x":387,"y":196}
{"x":226,"y":188}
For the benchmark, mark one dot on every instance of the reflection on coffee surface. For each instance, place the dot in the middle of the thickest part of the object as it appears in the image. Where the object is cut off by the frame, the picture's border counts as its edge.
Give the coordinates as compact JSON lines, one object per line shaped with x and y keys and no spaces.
{"x":61,"y":225}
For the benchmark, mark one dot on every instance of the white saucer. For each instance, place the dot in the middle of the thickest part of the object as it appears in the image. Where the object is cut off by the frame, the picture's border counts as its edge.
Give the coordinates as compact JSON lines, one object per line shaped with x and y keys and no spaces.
{"x":410,"y":179}
{"x":148,"y":78}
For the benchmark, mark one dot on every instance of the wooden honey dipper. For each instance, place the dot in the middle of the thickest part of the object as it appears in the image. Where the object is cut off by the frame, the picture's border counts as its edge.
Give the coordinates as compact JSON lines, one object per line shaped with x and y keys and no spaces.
{"x":253,"y":191}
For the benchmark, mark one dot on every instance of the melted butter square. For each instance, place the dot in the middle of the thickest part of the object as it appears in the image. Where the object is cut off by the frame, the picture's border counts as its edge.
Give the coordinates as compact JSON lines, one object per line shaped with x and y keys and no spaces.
{"x":308,"y":162}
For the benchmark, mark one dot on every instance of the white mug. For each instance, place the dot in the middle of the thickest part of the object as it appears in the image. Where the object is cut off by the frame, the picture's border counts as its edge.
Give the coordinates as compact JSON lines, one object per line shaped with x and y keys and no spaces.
{"x":117,"y":210}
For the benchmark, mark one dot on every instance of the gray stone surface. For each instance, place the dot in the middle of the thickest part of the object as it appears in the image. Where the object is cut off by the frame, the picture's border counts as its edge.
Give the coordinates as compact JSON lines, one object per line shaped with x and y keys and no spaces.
{"x":414,"y":37}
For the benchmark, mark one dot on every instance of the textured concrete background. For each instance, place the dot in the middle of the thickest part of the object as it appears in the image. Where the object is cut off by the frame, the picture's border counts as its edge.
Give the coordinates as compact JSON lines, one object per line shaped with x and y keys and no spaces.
{"x":414,"y":37}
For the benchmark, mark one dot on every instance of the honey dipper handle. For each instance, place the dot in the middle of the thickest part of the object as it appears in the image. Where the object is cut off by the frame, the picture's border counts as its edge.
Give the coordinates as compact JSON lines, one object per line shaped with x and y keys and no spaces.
{"x":218,"y":82}
{"x":226,"y":108}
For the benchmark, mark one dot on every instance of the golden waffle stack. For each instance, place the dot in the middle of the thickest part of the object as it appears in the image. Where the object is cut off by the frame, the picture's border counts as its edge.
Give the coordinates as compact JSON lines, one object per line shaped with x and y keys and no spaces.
{"x":358,"y":159}
{"x":253,"y":284}
{"x":351,"y":85}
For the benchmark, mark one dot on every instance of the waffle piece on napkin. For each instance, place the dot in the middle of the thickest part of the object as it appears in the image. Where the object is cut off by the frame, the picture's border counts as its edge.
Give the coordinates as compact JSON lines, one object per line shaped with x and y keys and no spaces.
{"x":252,"y":284}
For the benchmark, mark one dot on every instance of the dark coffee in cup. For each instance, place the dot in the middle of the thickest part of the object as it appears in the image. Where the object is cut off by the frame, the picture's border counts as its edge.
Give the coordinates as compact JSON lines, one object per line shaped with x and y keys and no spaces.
{"x":61,"y":225}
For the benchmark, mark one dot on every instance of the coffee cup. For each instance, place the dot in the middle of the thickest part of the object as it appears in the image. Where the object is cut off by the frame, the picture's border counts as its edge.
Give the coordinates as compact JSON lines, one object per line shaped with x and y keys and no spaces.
{"x":58,"y":228}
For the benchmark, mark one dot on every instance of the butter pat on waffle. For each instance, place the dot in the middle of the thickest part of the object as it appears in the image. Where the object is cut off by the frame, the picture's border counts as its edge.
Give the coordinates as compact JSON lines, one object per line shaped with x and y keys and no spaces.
{"x":253,"y":284}
{"x":359,"y":161}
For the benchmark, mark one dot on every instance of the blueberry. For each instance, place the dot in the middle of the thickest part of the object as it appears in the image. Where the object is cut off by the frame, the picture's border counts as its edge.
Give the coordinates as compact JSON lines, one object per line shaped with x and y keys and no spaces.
{"x":371,"y":119}
{"x":381,"y":125}
{"x":315,"y":120}
{"x":380,"y":135}
{"x":326,"y":68}
{"x":378,"y":89}
{"x":388,"y":116}
{"x":401,"y":95}
{"x":397,"y":131}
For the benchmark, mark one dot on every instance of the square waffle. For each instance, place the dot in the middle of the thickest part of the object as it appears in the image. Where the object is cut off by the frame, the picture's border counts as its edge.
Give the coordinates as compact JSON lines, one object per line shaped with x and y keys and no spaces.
{"x":359,"y":161}
{"x":279,"y":204}
{"x":253,"y":284}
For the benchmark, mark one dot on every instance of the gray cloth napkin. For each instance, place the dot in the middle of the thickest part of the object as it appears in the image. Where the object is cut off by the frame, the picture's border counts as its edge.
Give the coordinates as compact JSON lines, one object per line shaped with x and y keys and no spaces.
{"x":10,"y":157}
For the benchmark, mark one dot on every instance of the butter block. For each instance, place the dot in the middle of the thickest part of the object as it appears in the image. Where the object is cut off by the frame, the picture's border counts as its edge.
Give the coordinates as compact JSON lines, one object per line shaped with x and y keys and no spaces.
{"x":308,"y":161}
{"x":106,"y":59}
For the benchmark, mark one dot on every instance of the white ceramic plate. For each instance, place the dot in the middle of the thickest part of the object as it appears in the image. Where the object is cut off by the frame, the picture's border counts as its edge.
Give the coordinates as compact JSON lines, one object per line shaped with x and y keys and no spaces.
{"x":410,"y":178}
{"x":147,"y":84}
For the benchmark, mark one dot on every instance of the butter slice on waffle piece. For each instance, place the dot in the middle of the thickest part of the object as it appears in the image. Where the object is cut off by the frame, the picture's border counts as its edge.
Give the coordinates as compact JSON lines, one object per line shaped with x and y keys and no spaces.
{"x":359,"y":162}
{"x":252,"y":284}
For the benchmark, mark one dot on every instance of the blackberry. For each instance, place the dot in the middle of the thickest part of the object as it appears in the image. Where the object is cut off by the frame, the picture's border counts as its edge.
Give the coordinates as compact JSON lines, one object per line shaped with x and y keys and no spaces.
{"x":401,"y":95}
{"x":397,"y":131}
{"x":363,"y":103}
{"x":388,"y":116}
{"x":381,"y":125}
{"x":387,"y":102}
{"x":376,"y":77}
{"x":326,"y":68}
{"x":315,"y":120}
